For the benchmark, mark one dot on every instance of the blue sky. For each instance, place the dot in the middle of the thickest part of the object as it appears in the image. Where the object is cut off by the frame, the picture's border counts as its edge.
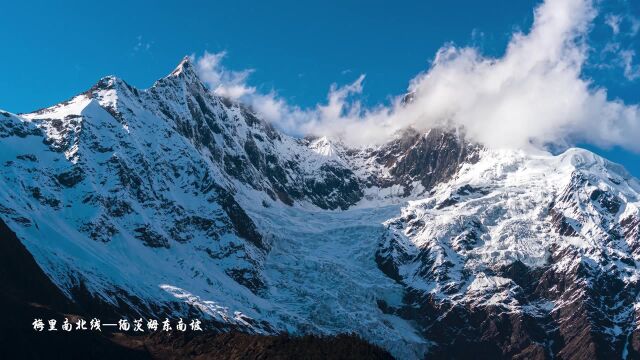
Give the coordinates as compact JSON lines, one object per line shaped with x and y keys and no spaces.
{"x":297,"y":49}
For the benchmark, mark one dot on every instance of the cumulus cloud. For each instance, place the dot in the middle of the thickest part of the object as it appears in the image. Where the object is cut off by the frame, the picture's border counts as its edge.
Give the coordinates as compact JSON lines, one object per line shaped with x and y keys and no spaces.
{"x":534,"y":95}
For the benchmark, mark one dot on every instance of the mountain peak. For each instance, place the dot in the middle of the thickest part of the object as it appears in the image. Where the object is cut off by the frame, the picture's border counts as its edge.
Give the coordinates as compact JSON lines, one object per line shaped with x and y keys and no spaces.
{"x":184,"y":72}
{"x":323,"y":147}
{"x":107,"y":82}
{"x":184,"y":68}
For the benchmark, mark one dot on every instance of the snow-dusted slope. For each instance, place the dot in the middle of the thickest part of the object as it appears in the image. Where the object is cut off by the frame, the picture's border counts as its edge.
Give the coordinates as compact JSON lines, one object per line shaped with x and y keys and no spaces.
{"x":131,"y":197}
{"x":172,"y":201}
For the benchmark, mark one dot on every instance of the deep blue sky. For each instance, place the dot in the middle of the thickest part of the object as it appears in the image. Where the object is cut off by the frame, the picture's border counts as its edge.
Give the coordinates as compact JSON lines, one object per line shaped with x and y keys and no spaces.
{"x":54,"y":50}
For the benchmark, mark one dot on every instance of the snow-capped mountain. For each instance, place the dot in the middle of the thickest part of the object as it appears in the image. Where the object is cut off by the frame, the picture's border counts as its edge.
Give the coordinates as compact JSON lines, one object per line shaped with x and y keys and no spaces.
{"x":535,"y":254}
{"x":173,"y":201}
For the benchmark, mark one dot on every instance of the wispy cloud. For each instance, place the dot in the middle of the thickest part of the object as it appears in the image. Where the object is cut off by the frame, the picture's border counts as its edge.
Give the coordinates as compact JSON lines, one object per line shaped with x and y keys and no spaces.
{"x":142,"y":44}
{"x":613,"y":21}
{"x":631,"y":70}
{"x":290,"y":118}
{"x":624,"y":27}
{"x":533,"y":95}
{"x":634,"y":25}
{"x":222,"y":81}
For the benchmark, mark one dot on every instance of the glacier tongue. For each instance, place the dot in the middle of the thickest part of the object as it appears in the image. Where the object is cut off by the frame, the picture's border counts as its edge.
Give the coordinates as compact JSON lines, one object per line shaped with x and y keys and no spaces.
{"x":322,"y":275}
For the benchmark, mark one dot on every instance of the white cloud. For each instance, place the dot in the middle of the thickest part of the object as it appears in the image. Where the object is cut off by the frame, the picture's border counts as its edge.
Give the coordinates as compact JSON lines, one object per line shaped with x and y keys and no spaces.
{"x":533,"y":95}
{"x":634,"y":25}
{"x":631,"y":71}
{"x":613,"y":21}
{"x":223,"y":82}
{"x":142,"y":44}
{"x":623,"y":24}
{"x":615,"y":53}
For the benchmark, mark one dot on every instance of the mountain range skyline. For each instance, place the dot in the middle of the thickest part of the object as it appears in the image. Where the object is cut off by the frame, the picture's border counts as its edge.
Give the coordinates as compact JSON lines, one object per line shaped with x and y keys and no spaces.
{"x":171,"y":201}
{"x":610,"y":43}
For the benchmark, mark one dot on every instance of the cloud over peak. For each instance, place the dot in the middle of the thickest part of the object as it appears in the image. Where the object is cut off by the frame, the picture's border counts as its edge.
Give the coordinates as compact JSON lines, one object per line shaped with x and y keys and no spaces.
{"x":534,"y":95}
{"x":223,"y":82}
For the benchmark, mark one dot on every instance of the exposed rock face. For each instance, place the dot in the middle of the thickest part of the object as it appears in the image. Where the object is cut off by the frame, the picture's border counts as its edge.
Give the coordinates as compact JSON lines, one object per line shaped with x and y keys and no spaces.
{"x":429,"y":158}
{"x":171,"y":201}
